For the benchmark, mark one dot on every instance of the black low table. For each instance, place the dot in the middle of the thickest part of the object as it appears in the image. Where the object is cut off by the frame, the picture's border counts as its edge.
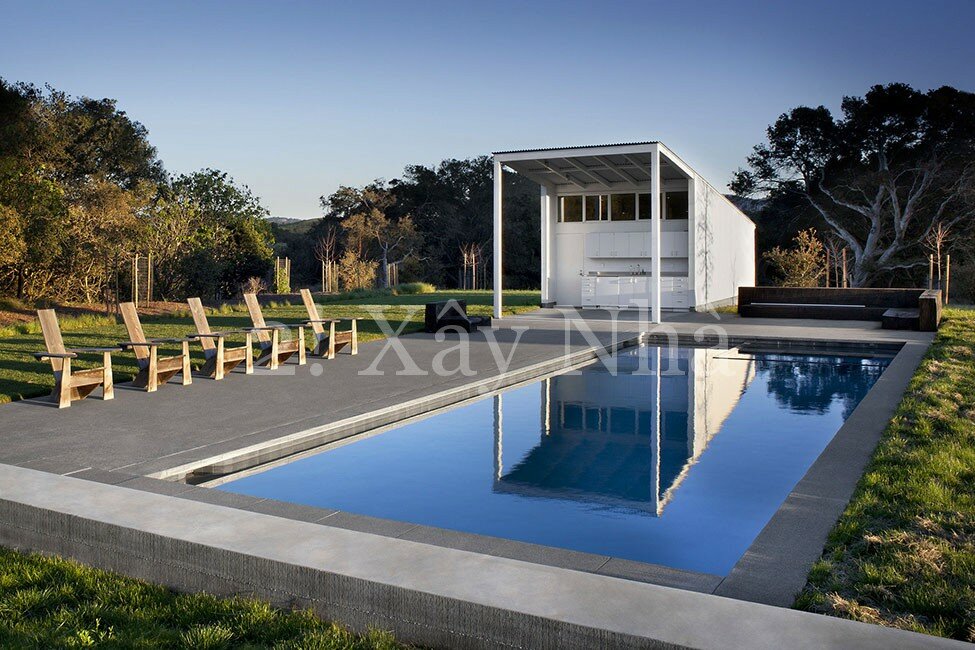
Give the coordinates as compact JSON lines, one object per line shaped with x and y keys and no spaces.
{"x":451,"y":314}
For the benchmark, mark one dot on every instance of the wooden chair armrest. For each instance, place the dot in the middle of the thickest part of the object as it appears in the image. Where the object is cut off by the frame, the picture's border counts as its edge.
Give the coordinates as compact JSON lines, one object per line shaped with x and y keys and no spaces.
{"x":210,"y":335}
{"x":173,"y":340}
{"x":322,"y":320}
{"x":138,"y":344}
{"x":55,"y":355}
{"x":266,"y":328}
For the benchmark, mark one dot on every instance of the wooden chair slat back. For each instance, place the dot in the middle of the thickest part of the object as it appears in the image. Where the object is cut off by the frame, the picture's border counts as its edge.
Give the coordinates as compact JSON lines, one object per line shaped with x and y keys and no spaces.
{"x":257,"y":316}
{"x":202,"y":326}
{"x":312,"y":309}
{"x":134,"y":328}
{"x":52,"y":336}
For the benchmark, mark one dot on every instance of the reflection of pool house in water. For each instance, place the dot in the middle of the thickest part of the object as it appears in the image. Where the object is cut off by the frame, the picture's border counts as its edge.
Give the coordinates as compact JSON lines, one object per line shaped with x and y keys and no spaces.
{"x":628,"y":442}
{"x":628,"y":225}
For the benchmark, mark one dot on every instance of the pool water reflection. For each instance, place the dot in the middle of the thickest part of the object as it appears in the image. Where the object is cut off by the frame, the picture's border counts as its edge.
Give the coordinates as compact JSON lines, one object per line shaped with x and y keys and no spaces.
{"x":677,"y":458}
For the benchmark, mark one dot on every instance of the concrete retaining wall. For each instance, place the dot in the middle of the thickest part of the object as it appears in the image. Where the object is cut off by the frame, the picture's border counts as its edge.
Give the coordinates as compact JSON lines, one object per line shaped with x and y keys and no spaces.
{"x":424,"y":594}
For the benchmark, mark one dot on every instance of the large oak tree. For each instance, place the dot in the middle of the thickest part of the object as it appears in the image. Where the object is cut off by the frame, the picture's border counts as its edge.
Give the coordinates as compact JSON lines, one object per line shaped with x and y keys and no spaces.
{"x":881,"y":175}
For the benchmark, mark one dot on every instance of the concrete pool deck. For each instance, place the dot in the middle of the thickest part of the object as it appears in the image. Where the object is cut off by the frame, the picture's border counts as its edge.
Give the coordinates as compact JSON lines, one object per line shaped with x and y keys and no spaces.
{"x":227,"y":425}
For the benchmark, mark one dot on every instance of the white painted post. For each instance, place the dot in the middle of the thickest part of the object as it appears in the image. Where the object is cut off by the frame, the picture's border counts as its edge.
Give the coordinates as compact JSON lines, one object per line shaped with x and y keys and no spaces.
{"x":498,"y":178}
{"x":655,"y":234}
{"x":547,"y":199}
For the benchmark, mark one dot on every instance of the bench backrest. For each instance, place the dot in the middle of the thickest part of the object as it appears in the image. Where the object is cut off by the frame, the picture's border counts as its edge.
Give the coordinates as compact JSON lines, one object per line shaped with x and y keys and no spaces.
{"x":202,"y":326}
{"x":134,"y":328}
{"x":875,"y":298}
{"x":312,"y":310}
{"x":52,"y":337}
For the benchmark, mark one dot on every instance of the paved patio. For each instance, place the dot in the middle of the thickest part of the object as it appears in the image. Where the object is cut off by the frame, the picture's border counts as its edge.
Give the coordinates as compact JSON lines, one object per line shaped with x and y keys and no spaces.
{"x":245,"y":419}
{"x":142,"y":433}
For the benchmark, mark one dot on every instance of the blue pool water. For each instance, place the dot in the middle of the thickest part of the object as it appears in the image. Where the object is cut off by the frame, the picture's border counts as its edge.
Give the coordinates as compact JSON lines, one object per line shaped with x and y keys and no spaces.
{"x":676,"y":458}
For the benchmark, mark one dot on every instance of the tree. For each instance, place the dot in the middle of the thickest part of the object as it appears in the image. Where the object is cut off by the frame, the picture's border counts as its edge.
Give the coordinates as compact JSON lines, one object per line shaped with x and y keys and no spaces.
{"x":895,"y":163}
{"x":369,"y":230}
{"x":233,"y":228}
{"x":326,"y":247}
{"x":800,"y":266}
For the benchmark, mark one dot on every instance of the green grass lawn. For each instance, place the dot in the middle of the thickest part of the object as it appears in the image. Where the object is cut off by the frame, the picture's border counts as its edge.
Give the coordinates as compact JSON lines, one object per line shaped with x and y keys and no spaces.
{"x":903,"y":553}
{"x":49,"y":602}
{"x":22,"y":376}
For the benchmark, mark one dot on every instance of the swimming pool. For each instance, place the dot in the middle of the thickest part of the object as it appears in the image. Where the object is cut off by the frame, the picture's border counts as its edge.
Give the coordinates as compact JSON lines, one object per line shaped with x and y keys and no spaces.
{"x":672,"y":456}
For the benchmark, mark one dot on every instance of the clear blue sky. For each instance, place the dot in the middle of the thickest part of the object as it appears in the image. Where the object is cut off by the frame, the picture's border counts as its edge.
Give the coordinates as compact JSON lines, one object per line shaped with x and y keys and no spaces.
{"x":297,"y":98}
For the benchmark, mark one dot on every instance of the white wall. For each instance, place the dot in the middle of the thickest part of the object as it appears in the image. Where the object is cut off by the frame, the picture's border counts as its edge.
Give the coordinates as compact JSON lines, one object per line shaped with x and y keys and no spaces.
{"x":724,"y":243}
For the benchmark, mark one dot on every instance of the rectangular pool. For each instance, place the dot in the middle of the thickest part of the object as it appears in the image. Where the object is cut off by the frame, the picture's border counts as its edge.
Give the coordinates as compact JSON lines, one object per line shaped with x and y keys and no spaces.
{"x":676,"y":457}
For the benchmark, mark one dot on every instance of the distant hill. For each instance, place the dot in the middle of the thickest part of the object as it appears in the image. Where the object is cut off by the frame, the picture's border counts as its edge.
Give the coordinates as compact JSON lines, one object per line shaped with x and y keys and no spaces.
{"x":282,"y":225}
{"x":281,"y":221}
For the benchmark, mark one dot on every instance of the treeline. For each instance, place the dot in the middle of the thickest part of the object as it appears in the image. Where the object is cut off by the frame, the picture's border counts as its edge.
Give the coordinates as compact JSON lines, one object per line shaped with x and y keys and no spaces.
{"x":82,"y":191}
{"x":886,"y":182}
{"x":434,"y":224}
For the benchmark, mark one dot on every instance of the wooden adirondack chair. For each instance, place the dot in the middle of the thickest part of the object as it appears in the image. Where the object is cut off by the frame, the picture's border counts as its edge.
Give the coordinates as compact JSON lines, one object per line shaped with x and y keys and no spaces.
{"x":153,"y":370}
{"x":327,"y":343}
{"x":274,"y":351}
{"x":219,"y":358}
{"x":68,"y":385}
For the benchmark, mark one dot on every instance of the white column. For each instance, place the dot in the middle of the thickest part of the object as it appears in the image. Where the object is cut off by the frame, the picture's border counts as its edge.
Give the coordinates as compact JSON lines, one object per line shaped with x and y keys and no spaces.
{"x":547,"y":202}
{"x":655,"y":234}
{"x":497,"y":238}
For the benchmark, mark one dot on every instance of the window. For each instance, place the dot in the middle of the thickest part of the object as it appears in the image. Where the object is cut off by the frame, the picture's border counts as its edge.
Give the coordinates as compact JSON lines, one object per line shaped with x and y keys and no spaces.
{"x":644,"y":206}
{"x":623,"y":207}
{"x":675,"y":205}
{"x":571,"y":209}
{"x":597,"y":208}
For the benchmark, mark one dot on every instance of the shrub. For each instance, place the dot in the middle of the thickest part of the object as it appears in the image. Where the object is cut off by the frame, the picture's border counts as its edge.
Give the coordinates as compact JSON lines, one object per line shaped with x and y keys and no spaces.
{"x":801,"y":266}
{"x":415,"y":288}
{"x":253,"y":285}
{"x":962,"y":287}
{"x":356,"y":273}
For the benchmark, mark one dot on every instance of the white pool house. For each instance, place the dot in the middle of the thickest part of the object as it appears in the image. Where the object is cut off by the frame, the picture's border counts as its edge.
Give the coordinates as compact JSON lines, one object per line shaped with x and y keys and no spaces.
{"x":628,"y":226}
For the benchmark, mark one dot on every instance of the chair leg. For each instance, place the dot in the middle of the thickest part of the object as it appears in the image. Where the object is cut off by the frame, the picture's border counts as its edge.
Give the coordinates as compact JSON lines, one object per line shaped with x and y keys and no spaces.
{"x":354,"y":347}
{"x":108,"y":383}
{"x":249,"y":359}
{"x":301,"y":346}
{"x":272,"y":363}
{"x":64,"y":386}
{"x":187,"y":375}
{"x":152,"y":382}
{"x":331,"y":341}
{"x":218,"y":370}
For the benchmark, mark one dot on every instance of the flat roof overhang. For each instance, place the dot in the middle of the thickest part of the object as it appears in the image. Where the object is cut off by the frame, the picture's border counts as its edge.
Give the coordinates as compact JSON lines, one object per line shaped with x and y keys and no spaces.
{"x":594,"y":168}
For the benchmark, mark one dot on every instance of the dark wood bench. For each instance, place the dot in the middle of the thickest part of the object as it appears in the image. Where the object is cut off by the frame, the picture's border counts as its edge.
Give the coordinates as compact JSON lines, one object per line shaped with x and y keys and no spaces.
{"x":892,"y":307}
{"x":451,"y":314}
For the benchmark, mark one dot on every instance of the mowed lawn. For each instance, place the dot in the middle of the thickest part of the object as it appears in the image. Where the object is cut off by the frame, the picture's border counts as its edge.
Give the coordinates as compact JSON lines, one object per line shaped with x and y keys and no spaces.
{"x":903,"y":553}
{"x":22,"y":376}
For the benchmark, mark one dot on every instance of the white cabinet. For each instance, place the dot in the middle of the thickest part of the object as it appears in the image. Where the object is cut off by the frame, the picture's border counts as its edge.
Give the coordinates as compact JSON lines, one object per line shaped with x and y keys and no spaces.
{"x":673,"y":244}
{"x":607,"y":292}
{"x":635,"y":292}
{"x":637,"y":243}
{"x":618,"y":244}
{"x":592,"y":244}
{"x":588,"y":291}
{"x":673,"y":293}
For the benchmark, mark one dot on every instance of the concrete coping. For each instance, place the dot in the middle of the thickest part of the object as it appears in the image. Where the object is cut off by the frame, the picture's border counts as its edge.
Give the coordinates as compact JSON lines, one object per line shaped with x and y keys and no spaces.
{"x":422,"y":593}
